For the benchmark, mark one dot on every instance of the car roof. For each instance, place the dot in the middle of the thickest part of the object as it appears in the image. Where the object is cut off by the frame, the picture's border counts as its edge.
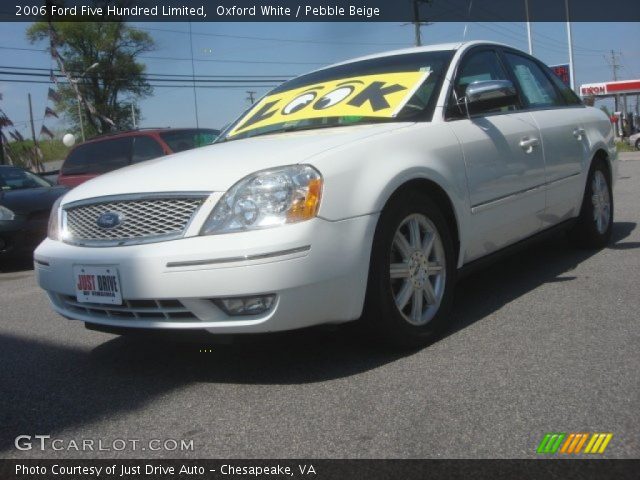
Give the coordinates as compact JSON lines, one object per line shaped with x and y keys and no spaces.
{"x":425,"y":48}
{"x":140,"y":131}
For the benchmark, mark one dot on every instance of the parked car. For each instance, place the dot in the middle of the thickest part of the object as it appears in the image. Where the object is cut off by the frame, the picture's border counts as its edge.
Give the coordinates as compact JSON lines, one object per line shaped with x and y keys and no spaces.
{"x":634,"y":140}
{"x":116,"y":150}
{"x":50,"y":176}
{"x":25,"y":205}
{"x":360,"y":190}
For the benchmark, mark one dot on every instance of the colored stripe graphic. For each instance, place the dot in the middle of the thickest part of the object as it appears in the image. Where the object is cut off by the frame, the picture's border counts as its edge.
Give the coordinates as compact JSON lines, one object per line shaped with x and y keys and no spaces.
{"x":581,"y":443}
{"x":573,"y":442}
{"x":551,"y":442}
{"x":598,"y":442}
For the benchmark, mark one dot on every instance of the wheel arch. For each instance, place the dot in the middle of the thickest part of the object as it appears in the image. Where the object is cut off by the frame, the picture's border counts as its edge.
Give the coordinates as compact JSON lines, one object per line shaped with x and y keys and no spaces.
{"x":601,"y":154}
{"x":439,"y":195}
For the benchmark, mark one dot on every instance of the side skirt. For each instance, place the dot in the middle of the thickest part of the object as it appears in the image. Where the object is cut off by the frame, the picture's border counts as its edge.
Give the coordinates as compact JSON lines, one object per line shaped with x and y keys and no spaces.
{"x":509,"y":250}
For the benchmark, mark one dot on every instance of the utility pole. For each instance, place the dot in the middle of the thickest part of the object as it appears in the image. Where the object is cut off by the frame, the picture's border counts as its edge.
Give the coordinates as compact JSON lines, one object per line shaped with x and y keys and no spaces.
{"x":416,"y":20}
{"x":526,"y":7}
{"x":251,"y":96}
{"x":615,"y":66}
{"x":133,"y":116}
{"x":36,"y":147}
{"x":79,"y":101}
{"x":4,"y":121}
{"x":572,"y":76}
{"x":193,"y":77}
{"x":2,"y":144}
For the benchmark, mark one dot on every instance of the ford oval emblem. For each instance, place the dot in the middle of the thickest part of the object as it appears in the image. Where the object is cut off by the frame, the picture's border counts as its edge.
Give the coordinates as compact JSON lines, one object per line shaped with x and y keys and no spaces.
{"x":110,"y":220}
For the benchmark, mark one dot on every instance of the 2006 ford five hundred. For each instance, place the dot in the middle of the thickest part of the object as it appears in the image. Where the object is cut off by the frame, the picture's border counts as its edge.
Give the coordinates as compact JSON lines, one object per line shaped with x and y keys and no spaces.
{"x":355,"y":191}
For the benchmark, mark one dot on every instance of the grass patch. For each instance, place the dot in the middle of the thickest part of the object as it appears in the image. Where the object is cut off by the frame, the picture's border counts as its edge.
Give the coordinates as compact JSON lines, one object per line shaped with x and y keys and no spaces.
{"x":624,"y":147}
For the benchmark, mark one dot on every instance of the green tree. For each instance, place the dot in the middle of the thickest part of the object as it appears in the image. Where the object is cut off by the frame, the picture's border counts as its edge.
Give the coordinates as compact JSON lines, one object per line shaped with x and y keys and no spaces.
{"x":113,"y":85}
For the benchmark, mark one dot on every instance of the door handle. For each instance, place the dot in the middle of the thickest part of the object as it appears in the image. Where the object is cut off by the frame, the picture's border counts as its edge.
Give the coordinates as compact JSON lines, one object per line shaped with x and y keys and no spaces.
{"x":527,"y":144}
{"x":578,"y":133}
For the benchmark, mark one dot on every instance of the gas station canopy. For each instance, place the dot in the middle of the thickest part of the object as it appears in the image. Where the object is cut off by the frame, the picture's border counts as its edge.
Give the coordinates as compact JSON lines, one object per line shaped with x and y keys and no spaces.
{"x":610,"y":89}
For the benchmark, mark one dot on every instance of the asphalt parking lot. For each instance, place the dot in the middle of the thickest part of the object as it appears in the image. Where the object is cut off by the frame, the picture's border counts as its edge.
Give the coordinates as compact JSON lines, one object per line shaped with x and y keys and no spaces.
{"x":545,"y":341}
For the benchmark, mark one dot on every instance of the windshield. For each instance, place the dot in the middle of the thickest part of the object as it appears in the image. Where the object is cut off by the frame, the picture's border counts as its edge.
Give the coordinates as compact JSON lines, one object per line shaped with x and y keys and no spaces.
{"x":16,"y":178}
{"x":393,"y":88}
{"x":180,"y":140}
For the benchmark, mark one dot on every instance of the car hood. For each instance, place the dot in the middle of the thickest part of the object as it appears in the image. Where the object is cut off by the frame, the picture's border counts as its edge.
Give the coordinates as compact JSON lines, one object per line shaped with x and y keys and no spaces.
{"x":217,"y":167}
{"x":31,"y":200}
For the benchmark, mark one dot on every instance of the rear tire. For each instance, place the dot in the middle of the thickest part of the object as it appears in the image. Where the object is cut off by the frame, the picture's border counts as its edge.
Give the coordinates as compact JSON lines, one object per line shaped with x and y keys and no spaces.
{"x":595,"y":223}
{"x":411,"y":274}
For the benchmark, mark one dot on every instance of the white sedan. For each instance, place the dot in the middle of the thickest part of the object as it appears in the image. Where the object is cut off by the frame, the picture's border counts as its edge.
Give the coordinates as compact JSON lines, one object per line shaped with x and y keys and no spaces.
{"x":358,"y":191}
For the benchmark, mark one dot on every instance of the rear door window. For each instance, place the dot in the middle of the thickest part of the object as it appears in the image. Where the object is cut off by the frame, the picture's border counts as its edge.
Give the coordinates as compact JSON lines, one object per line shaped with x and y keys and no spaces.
{"x":569,"y":96}
{"x":98,"y":157}
{"x":145,"y":148}
{"x":537,"y":89}
{"x":180,"y":140}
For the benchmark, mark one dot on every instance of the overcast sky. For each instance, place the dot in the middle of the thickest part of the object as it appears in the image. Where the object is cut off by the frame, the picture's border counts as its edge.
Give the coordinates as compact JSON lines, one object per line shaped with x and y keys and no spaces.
{"x":289,"y":49}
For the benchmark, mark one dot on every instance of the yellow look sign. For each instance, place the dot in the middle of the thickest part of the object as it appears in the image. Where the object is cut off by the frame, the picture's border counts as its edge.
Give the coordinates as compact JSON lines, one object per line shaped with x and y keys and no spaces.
{"x":381,"y":95}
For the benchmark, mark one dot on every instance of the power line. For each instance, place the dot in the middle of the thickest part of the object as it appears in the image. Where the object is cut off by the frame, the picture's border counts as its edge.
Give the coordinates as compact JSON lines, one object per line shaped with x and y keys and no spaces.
{"x":11,"y":80}
{"x":553,"y":42}
{"x":250,"y":62}
{"x":40,"y":50}
{"x":491,"y":17}
{"x":40,"y":69}
{"x":275,"y":39}
{"x":153,"y":79}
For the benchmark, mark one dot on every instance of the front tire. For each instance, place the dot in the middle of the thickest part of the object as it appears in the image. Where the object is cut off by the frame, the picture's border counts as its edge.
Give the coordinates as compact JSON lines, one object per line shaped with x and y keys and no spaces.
{"x":595,"y":223}
{"x":412,"y":272}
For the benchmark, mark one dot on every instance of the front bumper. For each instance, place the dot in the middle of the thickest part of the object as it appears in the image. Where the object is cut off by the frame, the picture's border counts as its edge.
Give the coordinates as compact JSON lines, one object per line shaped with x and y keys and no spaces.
{"x":317,"y":269}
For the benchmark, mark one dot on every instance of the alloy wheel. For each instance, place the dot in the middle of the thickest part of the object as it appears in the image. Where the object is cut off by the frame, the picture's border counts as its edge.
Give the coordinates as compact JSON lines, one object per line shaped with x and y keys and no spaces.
{"x":601,"y":200}
{"x":417,"y":269}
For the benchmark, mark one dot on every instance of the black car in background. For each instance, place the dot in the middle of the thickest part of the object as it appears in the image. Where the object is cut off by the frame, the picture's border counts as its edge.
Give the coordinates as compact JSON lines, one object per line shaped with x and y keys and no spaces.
{"x":25,"y":202}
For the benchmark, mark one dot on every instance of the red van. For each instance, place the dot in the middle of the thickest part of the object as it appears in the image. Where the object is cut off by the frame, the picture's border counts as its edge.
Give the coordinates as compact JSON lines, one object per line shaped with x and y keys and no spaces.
{"x":110,"y":152}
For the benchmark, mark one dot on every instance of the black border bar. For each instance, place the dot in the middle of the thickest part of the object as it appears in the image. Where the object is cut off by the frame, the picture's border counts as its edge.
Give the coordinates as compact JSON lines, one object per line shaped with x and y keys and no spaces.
{"x":566,"y":469}
{"x":326,"y":10}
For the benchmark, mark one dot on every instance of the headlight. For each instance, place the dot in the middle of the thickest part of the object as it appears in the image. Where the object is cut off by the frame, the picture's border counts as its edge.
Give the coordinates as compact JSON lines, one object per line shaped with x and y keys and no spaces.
{"x":267,"y":199}
{"x":53,"y":231}
{"x":6,"y":214}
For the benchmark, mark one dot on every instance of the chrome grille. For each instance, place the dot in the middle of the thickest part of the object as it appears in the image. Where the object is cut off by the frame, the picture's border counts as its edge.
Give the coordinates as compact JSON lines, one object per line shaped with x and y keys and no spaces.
{"x":146,"y":219}
{"x":153,"y":310}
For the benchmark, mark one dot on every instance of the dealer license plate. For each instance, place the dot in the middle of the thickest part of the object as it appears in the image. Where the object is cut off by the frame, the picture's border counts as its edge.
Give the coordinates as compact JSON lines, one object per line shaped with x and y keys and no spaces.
{"x":97,"y":284}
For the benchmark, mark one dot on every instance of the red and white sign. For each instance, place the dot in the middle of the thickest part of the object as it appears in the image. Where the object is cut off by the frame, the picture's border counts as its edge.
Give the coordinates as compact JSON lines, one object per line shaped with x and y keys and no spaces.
{"x":610,"y":88}
{"x":593,"y":89}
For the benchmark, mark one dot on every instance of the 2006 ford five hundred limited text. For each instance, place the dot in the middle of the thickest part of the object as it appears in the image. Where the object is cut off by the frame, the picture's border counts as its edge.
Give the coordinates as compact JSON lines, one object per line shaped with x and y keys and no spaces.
{"x":357,"y":190}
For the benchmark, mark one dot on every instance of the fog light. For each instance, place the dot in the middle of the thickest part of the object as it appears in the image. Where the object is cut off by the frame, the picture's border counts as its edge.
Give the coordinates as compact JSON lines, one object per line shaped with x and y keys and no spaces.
{"x":245,"y":305}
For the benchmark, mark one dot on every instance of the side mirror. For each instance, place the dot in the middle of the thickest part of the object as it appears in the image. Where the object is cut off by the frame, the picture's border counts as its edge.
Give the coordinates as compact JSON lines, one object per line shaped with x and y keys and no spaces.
{"x":487,"y":95}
